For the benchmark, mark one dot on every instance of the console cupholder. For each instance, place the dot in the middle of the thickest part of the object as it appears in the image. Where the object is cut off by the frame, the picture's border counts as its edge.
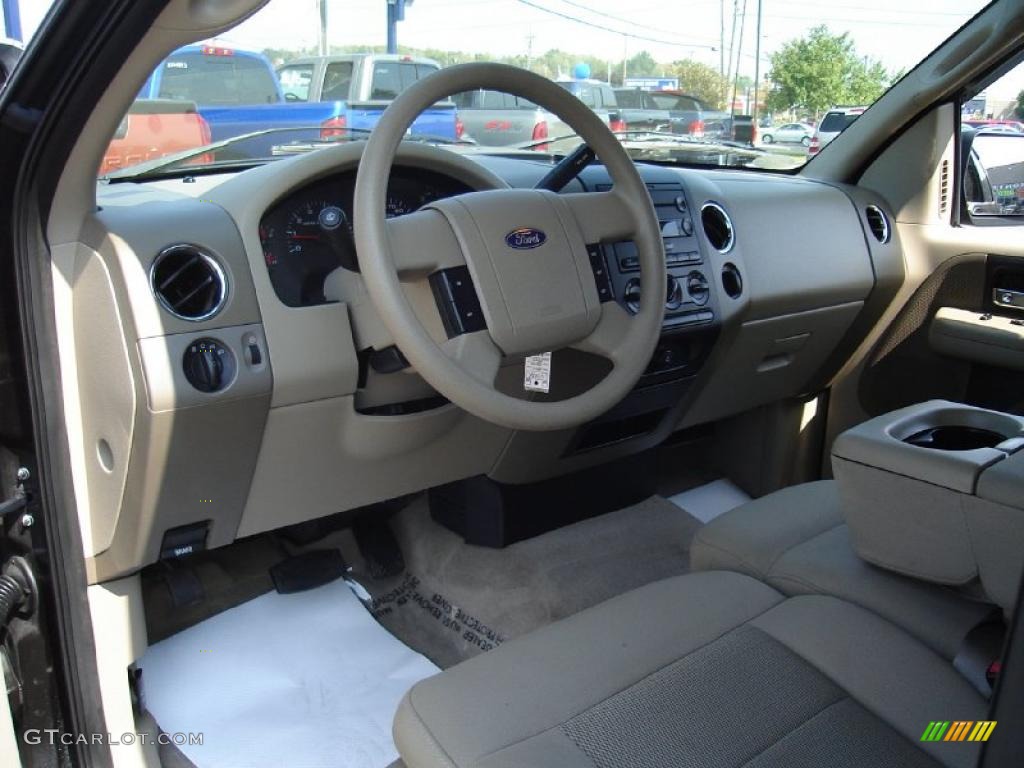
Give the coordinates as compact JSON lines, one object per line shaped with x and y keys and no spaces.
{"x":955,"y":438}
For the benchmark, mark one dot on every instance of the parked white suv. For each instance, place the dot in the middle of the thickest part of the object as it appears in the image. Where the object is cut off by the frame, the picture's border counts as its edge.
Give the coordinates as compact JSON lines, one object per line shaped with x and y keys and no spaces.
{"x":835,"y":121}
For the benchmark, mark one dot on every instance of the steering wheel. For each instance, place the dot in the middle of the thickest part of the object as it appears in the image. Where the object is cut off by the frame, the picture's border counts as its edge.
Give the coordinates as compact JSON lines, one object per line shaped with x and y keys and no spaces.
{"x":526,"y":254}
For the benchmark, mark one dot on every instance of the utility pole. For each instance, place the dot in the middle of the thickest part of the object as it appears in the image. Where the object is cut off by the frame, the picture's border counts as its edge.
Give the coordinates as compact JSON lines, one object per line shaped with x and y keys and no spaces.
{"x":322,"y":37}
{"x":739,"y":53}
{"x":625,"y":41}
{"x":757,"y":64}
{"x":732,"y":48}
{"x":529,"y":48}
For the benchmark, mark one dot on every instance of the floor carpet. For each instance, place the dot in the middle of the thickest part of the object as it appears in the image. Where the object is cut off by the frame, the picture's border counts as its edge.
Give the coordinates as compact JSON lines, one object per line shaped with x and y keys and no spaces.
{"x":454,"y":601}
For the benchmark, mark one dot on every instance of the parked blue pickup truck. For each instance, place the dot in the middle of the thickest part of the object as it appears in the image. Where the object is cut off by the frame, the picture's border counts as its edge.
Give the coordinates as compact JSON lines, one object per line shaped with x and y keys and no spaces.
{"x":238,"y":92}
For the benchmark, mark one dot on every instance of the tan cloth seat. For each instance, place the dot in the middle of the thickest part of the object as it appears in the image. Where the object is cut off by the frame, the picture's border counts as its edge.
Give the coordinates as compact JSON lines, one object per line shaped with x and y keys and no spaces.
{"x":796,"y":541}
{"x":709,"y":670}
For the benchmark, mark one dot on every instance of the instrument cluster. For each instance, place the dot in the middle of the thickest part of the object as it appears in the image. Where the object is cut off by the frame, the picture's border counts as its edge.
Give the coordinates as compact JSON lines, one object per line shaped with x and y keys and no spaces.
{"x":308,"y":234}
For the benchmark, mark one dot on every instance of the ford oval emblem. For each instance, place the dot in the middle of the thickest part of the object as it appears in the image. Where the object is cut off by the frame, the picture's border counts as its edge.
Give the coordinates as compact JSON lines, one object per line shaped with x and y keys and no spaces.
{"x":525,"y":238}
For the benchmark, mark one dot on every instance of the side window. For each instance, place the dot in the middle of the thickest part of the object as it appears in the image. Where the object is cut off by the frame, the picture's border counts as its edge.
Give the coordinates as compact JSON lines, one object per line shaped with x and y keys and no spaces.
{"x":386,"y":81}
{"x":422,"y":70}
{"x":630,"y":99}
{"x":492,"y":100}
{"x":407,"y":75}
{"x":466,"y":99}
{"x":608,"y":97}
{"x":588,"y":95}
{"x":337,"y":81}
{"x":992,"y":146}
{"x":295,"y":81}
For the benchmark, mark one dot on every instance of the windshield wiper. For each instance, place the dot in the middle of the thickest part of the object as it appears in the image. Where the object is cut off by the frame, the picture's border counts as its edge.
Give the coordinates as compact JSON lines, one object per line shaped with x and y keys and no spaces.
{"x":153,"y":167}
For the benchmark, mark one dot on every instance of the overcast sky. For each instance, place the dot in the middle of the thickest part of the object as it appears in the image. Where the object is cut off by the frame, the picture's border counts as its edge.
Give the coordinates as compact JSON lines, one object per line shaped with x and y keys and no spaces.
{"x":898,"y":33}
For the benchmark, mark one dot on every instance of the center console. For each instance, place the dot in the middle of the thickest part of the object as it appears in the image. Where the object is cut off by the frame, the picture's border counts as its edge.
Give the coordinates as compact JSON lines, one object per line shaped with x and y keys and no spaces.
{"x":688,"y":296}
{"x":936,"y":491}
{"x":690,"y":301}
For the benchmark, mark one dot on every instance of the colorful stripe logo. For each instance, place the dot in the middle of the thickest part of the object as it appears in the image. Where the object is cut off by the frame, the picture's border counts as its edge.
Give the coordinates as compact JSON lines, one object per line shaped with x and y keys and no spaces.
{"x":958,"y":730}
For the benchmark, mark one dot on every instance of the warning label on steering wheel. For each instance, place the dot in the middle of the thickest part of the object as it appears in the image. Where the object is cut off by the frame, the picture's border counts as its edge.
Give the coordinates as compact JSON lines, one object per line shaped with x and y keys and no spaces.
{"x":537,"y":376}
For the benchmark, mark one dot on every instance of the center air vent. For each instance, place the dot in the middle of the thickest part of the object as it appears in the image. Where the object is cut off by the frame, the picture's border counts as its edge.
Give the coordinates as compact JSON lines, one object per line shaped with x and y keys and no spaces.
{"x":188,"y":282}
{"x":878,"y":223}
{"x":717,"y":227}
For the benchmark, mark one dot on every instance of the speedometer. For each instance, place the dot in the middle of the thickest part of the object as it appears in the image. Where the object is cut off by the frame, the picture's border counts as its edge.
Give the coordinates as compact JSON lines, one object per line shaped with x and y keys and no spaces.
{"x":398,"y":205}
{"x":313,"y":224}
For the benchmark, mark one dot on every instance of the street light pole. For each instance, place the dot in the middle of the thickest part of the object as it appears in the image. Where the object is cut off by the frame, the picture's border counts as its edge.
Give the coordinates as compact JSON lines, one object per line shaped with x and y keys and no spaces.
{"x":396,"y":13}
{"x":721,"y":42}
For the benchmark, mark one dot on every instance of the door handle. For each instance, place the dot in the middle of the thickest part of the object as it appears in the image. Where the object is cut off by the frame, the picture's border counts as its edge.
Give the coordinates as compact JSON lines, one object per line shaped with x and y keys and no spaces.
{"x":1004,"y":297}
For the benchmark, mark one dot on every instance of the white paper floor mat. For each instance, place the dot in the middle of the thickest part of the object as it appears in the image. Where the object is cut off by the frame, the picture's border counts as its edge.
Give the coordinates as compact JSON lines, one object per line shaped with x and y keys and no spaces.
{"x":302,"y":680}
{"x":707,"y":502}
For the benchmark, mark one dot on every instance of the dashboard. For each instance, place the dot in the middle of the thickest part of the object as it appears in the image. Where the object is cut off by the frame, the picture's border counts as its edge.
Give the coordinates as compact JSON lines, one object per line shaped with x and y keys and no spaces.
{"x":308,"y":234}
{"x":296,"y":415}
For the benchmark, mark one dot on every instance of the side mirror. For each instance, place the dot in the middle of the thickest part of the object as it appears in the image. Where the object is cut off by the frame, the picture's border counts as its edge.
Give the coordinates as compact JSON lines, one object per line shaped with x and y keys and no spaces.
{"x":993,"y":173}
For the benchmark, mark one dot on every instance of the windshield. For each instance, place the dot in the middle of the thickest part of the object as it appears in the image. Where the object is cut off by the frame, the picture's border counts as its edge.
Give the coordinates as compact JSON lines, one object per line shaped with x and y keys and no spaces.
{"x":753,"y":84}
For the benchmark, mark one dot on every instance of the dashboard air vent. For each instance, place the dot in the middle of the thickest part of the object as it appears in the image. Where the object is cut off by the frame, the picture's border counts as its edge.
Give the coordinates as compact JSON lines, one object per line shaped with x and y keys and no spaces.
{"x":717,"y":227}
{"x":878,"y":223}
{"x":944,"y":188}
{"x":188,"y":282}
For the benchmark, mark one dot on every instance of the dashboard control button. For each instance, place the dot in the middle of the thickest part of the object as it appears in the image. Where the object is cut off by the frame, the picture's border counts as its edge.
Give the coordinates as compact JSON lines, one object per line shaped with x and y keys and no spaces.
{"x":632,"y":295}
{"x":209,"y":365}
{"x":457,"y":301}
{"x":601,"y":277}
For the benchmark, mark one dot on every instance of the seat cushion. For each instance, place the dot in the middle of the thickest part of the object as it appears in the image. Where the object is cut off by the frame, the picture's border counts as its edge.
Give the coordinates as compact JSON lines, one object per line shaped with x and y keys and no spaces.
{"x":796,"y":541}
{"x":708,"y":669}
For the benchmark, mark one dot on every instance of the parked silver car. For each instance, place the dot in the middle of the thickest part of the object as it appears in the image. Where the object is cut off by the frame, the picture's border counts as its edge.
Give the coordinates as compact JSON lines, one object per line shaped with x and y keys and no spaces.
{"x":788,"y":133}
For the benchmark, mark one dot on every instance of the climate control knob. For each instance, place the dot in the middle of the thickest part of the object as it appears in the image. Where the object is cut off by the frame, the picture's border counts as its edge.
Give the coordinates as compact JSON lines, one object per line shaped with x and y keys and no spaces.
{"x":673,"y":294}
{"x":697,"y":288}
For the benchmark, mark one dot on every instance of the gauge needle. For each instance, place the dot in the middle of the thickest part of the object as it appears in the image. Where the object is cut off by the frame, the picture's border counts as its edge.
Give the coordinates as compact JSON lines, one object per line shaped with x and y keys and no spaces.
{"x":303,"y":237}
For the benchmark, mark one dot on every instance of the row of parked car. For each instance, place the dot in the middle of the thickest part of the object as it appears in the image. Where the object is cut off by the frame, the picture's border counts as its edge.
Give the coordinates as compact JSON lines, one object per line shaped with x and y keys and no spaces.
{"x":211,"y":93}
